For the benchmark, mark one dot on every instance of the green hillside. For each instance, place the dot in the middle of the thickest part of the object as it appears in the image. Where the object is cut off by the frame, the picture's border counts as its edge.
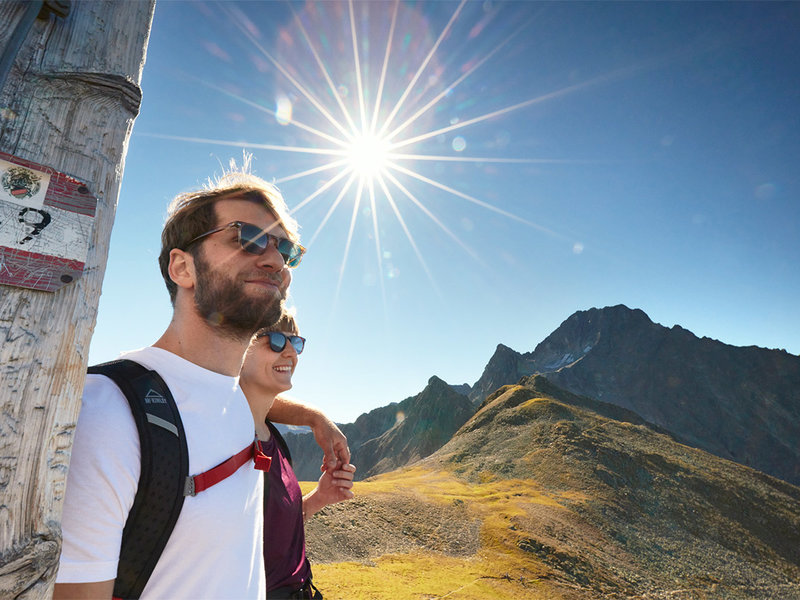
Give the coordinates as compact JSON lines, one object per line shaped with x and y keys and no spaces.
{"x":540,"y":495}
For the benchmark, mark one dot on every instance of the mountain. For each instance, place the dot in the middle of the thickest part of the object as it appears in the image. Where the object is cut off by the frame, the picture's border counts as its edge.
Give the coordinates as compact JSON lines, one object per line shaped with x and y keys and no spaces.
{"x":547,"y":494}
{"x":742,"y":404}
{"x":393,"y":435}
{"x":429,"y":420}
{"x":504,"y":367}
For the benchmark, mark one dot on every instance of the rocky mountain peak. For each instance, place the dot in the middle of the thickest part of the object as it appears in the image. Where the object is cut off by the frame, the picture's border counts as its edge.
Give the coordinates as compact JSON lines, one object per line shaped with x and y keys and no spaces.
{"x":505,"y":366}
{"x":709,"y":394}
{"x":393,"y":435}
{"x":435,"y":383}
{"x":569,"y":343}
{"x":584,"y":330}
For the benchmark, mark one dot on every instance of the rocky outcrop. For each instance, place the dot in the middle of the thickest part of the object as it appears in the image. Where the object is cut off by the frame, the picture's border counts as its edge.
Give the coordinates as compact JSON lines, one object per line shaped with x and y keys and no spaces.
{"x":504,"y":367}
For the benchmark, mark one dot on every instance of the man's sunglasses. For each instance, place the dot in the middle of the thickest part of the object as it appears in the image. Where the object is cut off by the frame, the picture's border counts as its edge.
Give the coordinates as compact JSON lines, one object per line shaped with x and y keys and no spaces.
{"x":278,"y":340}
{"x":255,"y":240}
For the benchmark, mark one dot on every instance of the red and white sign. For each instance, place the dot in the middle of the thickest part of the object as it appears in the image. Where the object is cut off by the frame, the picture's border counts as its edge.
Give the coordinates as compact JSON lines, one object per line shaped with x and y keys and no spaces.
{"x":46,"y":221}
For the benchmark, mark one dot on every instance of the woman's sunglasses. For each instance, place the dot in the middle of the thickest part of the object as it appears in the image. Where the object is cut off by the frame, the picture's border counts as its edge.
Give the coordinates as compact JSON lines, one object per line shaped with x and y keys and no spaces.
{"x":278,"y":340}
{"x":255,"y":240}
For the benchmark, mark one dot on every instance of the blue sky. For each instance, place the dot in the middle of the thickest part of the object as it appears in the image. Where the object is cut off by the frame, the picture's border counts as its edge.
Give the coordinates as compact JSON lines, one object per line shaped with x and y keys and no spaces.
{"x":571,"y":155}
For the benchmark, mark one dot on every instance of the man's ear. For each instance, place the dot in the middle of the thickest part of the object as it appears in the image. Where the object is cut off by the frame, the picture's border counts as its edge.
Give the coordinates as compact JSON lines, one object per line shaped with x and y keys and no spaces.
{"x":181,"y":268}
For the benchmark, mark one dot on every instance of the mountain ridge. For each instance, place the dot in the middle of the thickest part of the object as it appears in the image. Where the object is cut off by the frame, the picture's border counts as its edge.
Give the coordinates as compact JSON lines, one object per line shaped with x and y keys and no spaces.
{"x":393,"y":435}
{"x":740,"y":403}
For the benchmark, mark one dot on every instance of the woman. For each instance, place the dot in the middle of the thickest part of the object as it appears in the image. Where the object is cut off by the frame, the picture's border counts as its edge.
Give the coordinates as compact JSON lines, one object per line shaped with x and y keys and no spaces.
{"x":267,"y":371}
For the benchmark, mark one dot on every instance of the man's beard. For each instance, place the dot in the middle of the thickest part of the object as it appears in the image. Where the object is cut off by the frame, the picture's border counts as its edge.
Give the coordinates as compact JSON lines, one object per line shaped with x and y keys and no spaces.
{"x":226,"y":305}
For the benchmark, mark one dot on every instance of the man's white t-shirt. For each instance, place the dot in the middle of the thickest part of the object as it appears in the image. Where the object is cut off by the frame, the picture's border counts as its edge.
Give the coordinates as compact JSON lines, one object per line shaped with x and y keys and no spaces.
{"x":215,"y":550}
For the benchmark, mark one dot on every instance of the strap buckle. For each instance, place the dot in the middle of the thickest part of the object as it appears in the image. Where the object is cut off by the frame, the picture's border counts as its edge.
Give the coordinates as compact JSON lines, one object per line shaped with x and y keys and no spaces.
{"x":188,"y":487}
{"x":261,"y":461}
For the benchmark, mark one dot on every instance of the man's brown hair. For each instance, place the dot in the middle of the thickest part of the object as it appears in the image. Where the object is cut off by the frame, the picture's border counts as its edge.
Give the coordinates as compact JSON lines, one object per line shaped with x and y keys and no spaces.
{"x":191,"y":214}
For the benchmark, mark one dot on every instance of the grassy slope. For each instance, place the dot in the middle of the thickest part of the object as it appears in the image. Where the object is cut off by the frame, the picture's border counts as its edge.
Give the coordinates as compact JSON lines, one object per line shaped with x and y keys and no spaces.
{"x":498,"y":568}
{"x":538,"y":497}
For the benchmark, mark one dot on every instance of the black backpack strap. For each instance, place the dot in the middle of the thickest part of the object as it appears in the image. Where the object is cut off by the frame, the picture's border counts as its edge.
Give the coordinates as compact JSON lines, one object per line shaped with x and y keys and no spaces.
{"x":279,"y":438}
{"x":284,"y":448}
{"x":164,"y":468}
{"x":308,"y":590}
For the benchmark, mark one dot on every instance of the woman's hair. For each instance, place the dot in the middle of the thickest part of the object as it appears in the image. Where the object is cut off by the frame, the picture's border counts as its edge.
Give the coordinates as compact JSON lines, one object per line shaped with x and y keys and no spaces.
{"x":286,"y":324}
{"x":191,"y":214}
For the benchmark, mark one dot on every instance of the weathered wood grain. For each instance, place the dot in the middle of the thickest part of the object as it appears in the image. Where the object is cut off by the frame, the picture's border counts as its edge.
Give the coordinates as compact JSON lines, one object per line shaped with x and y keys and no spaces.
{"x":69,"y":102}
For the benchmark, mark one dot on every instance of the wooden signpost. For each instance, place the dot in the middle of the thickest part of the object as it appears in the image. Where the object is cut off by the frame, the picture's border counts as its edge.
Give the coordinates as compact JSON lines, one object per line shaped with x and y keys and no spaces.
{"x":69,"y":94}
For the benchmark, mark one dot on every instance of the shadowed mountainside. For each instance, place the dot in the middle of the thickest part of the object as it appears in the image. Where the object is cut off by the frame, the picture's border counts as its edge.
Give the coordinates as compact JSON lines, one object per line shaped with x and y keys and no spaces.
{"x":391,"y":436}
{"x":742,"y":404}
{"x":569,"y":498}
{"x":430,"y":419}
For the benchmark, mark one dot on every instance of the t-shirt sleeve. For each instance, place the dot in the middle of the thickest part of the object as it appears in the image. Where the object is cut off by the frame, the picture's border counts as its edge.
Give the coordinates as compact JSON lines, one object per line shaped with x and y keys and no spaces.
{"x":101,"y":484}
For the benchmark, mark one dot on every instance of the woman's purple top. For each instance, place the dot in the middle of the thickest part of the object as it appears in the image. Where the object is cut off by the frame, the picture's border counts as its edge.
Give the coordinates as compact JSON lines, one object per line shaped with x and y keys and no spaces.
{"x":284,"y":533}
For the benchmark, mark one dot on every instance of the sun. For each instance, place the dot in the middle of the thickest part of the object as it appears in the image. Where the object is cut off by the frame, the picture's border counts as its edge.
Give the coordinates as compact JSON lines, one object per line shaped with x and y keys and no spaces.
{"x":381,"y":121}
{"x":368,"y":156}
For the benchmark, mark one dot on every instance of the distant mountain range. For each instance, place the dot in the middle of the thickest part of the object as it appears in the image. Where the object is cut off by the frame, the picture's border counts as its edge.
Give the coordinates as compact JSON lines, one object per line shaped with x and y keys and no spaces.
{"x":742,"y":404}
{"x":391,"y":436}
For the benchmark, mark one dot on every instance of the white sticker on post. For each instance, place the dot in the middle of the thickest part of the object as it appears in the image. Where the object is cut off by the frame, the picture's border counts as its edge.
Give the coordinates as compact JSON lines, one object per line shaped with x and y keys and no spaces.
{"x":46,"y":224}
{"x":23,"y":185}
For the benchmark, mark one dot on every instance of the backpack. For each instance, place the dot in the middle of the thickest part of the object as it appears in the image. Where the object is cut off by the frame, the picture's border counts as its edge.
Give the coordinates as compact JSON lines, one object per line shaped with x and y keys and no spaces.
{"x":164,"y":480}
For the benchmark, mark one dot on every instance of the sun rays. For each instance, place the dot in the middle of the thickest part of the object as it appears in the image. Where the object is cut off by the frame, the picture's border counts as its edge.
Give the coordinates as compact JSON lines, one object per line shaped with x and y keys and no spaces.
{"x":364,"y":111}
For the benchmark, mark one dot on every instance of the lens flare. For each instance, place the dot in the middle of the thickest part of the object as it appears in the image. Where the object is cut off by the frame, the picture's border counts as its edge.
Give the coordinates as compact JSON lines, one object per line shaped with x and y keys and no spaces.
{"x":283,"y":110}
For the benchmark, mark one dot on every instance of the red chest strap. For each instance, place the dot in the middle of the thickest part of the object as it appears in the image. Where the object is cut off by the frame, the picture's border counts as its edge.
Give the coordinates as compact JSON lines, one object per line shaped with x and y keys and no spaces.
{"x":199,"y":483}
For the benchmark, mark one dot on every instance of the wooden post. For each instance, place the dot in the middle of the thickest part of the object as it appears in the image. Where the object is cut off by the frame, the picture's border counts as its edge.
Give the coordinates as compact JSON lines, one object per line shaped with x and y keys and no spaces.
{"x":69,"y":102}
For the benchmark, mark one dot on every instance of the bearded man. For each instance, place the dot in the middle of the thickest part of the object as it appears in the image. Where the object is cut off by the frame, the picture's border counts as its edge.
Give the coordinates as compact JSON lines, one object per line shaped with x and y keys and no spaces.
{"x":226,"y":256}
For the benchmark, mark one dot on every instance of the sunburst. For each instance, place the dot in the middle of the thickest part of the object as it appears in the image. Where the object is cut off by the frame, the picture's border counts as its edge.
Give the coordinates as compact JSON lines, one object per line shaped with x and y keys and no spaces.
{"x":370,"y":144}
{"x":368,"y":156}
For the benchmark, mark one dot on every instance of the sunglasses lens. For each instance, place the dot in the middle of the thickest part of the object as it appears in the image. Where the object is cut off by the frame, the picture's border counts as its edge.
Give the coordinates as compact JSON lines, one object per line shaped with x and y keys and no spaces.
{"x":298,"y":343}
{"x":252,"y":239}
{"x":277,"y":341}
{"x":291,"y":252}
{"x":255,"y":241}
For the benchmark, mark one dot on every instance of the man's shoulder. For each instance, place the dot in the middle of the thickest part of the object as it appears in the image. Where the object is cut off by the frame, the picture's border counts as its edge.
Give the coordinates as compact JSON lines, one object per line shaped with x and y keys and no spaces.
{"x":175,"y":367}
{"x":99,"y":383}
{"x":104,"y":393}
{"x":103,"y":404}
{"x":99,"y":387}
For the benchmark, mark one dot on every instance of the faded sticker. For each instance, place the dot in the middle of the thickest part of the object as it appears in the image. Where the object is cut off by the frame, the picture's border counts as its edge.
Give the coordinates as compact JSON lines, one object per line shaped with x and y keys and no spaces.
{"x":50,"y":231}
{"x":23,"y":185}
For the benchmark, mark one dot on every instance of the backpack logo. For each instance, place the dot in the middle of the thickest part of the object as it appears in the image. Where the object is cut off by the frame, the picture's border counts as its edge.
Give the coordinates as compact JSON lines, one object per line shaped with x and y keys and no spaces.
{"x":153,"y":397}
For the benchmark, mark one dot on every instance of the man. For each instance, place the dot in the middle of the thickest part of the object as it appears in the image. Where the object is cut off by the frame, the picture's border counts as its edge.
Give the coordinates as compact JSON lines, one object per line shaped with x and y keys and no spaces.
{"x":225,"y":258}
